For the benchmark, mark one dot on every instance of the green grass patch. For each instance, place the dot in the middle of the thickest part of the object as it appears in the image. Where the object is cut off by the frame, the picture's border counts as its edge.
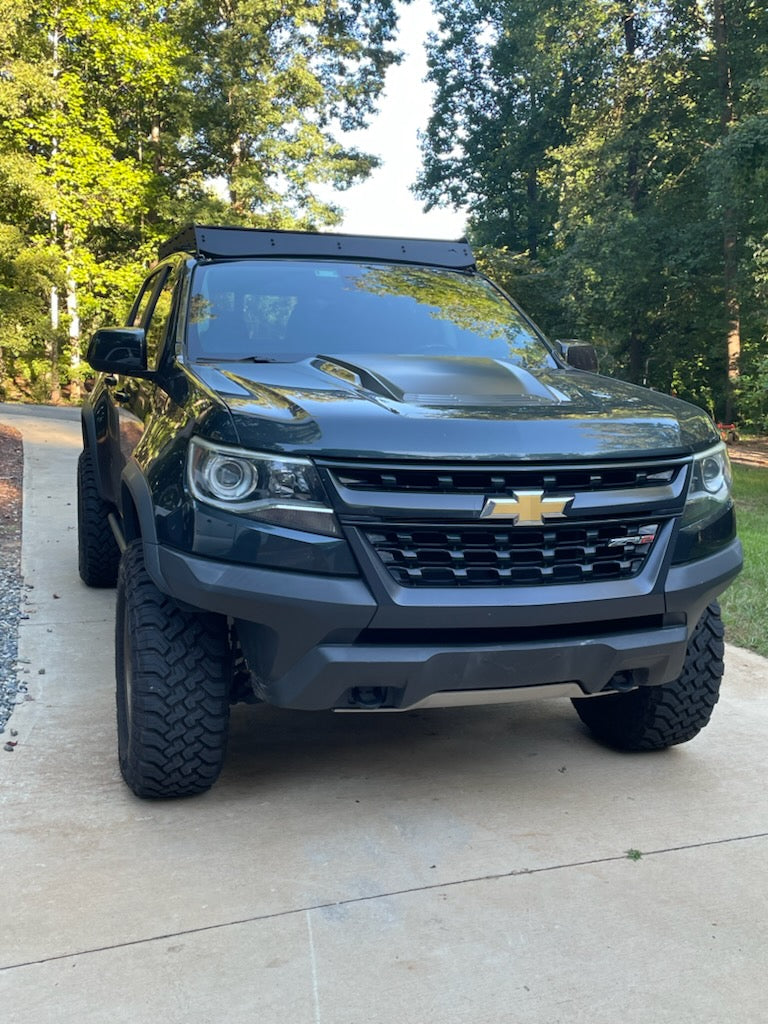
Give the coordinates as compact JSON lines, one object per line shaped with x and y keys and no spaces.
{"x":744,"y":603}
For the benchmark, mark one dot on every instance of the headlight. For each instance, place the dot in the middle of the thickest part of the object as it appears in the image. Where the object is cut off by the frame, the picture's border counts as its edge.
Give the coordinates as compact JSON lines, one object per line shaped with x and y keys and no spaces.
{"x":709,"y":491}
{"x":276,"y":489}
{"x":708,"y":521}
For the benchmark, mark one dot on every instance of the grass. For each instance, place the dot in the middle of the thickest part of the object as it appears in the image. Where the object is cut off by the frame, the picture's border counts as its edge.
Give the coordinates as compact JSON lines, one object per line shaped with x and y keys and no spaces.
{"x":744,"y":603}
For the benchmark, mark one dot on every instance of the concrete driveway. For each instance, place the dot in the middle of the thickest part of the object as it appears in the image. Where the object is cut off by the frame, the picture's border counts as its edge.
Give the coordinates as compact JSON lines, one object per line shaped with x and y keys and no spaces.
{"x":445,"y":866}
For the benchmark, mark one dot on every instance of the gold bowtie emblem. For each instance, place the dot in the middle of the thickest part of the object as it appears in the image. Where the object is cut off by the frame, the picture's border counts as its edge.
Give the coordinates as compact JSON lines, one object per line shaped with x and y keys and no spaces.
{"x":526,"y":508}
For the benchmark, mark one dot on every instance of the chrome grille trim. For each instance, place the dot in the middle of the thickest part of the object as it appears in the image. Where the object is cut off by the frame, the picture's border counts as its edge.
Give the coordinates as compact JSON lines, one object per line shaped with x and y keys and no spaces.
{"x":460,"y":492}
{"x":492,"y":480}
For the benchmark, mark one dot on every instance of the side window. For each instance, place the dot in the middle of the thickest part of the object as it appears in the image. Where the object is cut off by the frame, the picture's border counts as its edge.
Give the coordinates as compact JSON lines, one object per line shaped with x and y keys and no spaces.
{"x":152,"y":309}
{"x":158,"y":316}
{"x":139,"y":310}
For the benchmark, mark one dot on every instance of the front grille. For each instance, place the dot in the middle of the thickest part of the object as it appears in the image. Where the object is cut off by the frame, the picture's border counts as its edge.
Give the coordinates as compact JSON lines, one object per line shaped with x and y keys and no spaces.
{"x":424,"y":521}
{"x":428,"y":555}
{"x":505,"y":479}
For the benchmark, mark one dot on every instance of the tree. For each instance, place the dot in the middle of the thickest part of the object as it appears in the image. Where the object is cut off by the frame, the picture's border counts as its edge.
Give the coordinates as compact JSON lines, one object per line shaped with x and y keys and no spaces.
{"x":641,"y":128}
{"x":265,"y":81}
{"x":117,"y":122}
{"x":27,"y":275}
{"x":506,"y":77}
{"x":628,"y":204}
{"x":65,"y":177}
{"x":738,"y":164}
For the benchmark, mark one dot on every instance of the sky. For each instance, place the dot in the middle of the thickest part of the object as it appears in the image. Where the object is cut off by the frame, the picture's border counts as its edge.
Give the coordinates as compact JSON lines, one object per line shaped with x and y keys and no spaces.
{"x":383,"y":204}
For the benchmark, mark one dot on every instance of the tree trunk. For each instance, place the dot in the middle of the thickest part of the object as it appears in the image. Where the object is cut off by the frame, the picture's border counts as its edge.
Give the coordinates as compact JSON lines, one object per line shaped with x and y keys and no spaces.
{"x":52,"y":352}
{"x":53,"y":346}
{"x":630,"y":44}
{"x":637,"y":358}
{"x":630,"y":29}
{"x":72,"y":314}
{"x":635,"y":342}
{"x":234,"y":165}
{"x":532,"y":187}
{"x":730,"y":254}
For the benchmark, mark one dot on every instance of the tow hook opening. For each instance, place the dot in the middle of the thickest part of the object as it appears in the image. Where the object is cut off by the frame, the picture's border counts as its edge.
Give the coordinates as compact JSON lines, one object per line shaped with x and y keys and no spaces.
{"x":368,"y":697}
{"x":622,"y":682}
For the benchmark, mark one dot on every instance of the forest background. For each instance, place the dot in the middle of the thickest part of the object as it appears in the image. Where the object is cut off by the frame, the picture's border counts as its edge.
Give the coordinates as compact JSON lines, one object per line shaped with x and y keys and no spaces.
{"x":612,"y":157}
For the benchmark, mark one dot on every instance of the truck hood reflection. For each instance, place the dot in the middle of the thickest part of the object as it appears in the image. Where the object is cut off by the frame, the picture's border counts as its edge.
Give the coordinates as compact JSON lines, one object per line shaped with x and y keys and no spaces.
{"x":444,"y":407}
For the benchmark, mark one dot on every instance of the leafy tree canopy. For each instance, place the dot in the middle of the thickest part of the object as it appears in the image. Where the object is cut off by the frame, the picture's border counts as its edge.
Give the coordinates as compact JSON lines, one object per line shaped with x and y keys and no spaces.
{"x":120,"y":122}
{"x":613,"y":157}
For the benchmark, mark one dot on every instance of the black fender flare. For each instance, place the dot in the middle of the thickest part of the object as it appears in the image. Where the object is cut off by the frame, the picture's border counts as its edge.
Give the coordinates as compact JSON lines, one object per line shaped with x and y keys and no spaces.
{"x":139,"y":521}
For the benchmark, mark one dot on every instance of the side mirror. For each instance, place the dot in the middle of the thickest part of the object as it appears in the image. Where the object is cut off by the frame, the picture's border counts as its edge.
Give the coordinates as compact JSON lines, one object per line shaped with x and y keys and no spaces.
{"x":579,"y":354}
{"x":119,"y":350}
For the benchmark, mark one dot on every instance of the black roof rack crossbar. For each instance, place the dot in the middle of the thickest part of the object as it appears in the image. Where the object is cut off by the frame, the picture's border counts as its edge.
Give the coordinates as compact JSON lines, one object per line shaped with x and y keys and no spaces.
{"x":229,"y":243}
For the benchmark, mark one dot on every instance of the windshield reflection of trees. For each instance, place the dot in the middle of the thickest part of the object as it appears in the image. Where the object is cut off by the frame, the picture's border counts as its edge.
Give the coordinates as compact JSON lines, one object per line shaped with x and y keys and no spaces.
{"x":355,"y":308}
{"x":468,"y":304}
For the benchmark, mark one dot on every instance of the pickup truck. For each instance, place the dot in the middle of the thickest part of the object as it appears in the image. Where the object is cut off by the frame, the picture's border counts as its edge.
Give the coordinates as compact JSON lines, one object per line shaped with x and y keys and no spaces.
{"x":343,"y":472}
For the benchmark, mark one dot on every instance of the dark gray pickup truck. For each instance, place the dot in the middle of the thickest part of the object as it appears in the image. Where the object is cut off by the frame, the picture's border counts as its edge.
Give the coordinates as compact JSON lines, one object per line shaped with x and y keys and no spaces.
{"x":344,"y":472}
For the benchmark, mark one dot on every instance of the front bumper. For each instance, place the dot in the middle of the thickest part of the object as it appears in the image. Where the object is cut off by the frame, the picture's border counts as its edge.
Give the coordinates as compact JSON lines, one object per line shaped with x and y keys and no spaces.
{"x":319,"y":642}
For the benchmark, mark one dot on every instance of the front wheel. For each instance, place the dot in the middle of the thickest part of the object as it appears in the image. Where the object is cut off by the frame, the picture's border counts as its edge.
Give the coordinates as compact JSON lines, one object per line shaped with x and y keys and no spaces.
{"x":655,"y":717}
{"x":173,"y":670}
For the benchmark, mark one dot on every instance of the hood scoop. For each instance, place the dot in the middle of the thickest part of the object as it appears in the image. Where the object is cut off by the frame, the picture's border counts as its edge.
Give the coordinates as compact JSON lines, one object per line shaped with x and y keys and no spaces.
{"x":448,"y":381}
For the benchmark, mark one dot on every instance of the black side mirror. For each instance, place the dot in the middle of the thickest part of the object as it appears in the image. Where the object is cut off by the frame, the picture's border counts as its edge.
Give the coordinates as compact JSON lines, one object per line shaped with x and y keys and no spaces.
{"x":120,"y":350}
{"x":579,"y":354}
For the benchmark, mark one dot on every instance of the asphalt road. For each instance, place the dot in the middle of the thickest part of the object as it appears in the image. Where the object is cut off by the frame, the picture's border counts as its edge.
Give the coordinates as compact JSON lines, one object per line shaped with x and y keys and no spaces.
{"x":445,"y":866}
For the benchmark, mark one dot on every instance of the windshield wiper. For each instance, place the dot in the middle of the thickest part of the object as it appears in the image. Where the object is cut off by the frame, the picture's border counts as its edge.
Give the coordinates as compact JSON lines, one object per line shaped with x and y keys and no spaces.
{"x":242,"y":359}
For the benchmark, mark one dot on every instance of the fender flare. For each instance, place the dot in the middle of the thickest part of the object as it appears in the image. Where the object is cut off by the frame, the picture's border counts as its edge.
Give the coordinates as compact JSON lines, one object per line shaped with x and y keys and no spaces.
{"x":139,"y":520}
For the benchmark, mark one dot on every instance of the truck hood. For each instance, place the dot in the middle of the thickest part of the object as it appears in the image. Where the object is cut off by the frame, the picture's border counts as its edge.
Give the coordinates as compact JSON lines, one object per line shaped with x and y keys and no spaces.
{"x":446,"y":407}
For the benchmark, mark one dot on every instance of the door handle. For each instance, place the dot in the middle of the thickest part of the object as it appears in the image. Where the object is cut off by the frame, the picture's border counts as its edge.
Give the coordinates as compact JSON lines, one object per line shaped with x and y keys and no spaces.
{"x":121,"y":396}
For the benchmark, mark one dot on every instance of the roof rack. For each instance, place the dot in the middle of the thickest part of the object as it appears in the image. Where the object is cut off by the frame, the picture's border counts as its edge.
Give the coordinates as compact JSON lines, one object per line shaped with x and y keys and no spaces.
{"x":227,"y":243}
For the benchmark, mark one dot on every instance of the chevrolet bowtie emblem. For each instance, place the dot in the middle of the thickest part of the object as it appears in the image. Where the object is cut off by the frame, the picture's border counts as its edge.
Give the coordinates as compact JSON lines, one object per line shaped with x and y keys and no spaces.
{"x":526,"y":508}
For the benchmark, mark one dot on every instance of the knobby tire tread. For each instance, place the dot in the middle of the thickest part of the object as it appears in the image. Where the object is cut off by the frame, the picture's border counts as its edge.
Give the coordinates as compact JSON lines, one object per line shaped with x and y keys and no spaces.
{"x":97,"y":550}
{"x":173,"y":717}
{"x":656,"y":717}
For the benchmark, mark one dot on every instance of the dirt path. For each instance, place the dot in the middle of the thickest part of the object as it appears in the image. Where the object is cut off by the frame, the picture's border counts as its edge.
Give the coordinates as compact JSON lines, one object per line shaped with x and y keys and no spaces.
{"x":750,"y":453}
{"x":10,"y":495}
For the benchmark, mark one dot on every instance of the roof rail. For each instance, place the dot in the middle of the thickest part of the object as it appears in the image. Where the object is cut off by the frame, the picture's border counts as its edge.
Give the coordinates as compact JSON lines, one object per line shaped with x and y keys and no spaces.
{"x":215,"y":242}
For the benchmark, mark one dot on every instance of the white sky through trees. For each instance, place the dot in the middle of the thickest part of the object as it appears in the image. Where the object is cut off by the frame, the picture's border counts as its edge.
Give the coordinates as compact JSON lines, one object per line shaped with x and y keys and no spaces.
{"x":384,"y":204}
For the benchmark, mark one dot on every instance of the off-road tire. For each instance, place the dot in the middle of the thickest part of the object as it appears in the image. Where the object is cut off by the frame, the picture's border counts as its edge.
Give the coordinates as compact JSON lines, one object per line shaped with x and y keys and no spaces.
{"x":173,"y":669}
{"x":98,"y":555}
{"x":655,"y":717}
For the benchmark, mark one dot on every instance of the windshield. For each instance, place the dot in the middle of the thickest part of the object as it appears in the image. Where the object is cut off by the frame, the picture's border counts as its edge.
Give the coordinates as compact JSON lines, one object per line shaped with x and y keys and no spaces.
{"x":275,"y":309}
